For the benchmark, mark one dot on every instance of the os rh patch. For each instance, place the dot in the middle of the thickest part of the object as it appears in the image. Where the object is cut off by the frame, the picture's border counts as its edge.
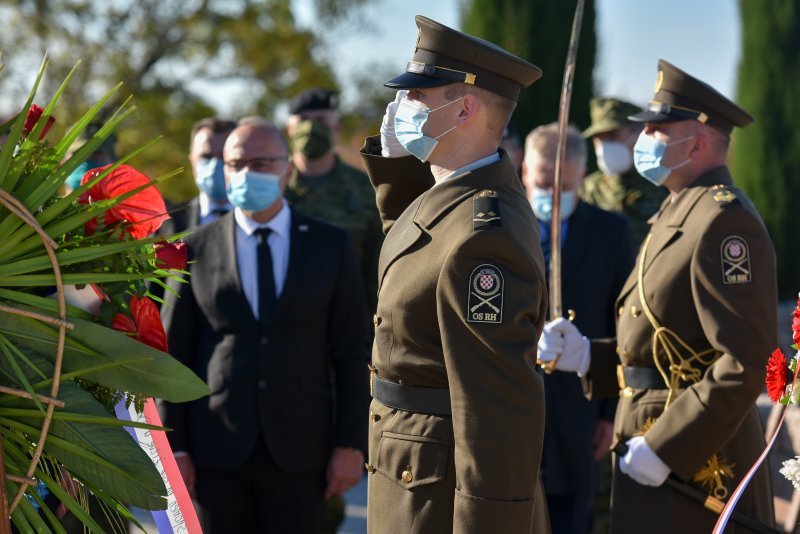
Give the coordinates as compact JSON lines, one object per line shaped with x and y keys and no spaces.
{"x":485,"y":301}
{"x":735,"y":261}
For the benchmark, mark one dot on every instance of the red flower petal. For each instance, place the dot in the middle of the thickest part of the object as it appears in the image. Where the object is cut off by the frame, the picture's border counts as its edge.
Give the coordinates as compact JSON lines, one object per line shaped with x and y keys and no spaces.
{"x":171,"y":255}
{"x":123,"y":323}
{"x":142,"y":213}
{"x":796,"y":323}
{"x":145,"y":325}
{"x":33,"y":116}
{"x":777,"y":375}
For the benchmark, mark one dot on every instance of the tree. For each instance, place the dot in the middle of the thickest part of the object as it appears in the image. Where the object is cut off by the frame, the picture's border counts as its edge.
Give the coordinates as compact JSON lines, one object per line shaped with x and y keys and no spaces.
{"x":765,"y":156}
{"x":168,"y":53}
{"x":539,"y":31}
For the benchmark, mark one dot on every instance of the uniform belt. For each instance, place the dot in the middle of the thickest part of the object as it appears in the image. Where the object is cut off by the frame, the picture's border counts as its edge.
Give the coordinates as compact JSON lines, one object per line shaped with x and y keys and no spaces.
{"x":640,"y":378}
{"x":431,"y":401}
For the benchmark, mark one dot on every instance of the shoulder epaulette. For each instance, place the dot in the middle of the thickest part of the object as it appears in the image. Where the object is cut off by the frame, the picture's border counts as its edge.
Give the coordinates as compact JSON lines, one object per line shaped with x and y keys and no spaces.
{"x":722,"y":194}
{"x":485,"y":209}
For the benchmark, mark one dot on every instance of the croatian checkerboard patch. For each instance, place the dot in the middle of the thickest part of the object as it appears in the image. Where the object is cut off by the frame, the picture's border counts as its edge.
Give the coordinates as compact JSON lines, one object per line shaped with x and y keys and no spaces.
{"x":485,"y":302}
{"x":735,"y":261}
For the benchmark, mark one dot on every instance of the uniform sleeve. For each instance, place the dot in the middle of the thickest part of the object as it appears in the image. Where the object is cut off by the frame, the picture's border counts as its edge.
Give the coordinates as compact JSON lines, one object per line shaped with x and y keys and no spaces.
{"x":497,"y":397}
{"x":178,"y":315}
{"x":738,"y":317}
{"x":397,"y":181}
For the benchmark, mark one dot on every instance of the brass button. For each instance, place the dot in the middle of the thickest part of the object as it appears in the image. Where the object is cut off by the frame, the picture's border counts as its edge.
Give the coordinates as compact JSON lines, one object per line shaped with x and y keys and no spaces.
{"x":376,"y":320}
{"x":374,"y":417}
{"x":635,"y":312}
{"x":370,"y":469}
{"x":626,"y":392}
{"x":407,"y":476}
{"x":621,"y":310}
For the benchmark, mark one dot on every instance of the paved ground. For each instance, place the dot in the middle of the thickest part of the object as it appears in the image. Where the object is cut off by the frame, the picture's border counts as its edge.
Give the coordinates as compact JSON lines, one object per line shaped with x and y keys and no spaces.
{"x":356,"y":509}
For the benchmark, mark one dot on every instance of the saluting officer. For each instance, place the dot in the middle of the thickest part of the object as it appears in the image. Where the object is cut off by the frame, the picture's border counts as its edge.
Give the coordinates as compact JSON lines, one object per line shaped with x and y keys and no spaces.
{"x":696,"y":324}
{"x":457,"y":418}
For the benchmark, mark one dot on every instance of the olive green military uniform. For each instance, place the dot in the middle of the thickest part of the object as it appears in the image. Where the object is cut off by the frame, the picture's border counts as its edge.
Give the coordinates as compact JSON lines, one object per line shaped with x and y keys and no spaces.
{"x":626,"y":193}
{"x":703,"y":297}
{"x":461,"y":306}
{"x":344,"y":197}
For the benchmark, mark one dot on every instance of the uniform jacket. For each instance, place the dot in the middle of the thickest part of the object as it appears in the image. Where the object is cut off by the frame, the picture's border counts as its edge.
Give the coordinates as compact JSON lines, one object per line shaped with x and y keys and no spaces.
{"x":596,"y":260}
{"x":299,"y":383}
{"x":710,"y":277}
{"x":476,"y":471}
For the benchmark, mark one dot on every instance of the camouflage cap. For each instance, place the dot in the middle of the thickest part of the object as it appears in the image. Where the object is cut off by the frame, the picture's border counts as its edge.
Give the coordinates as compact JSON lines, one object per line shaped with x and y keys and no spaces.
{"x":680,"y":96}
{"x":609,"y":114}
{"x":443,"y":56}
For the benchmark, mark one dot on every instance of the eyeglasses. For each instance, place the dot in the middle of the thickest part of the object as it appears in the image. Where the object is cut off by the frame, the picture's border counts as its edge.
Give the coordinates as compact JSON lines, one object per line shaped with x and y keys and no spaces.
{"x":265,"y":164}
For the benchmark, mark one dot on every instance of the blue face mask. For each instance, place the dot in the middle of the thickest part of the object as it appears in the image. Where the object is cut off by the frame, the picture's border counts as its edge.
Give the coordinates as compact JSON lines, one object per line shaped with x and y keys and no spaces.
{"x":73,"y":181}
{"x":210,"y":178}
{"x":253,"y":191}
{"x":647,"y":156}
{"x":408,"y":123}
{"x":542,"y":204}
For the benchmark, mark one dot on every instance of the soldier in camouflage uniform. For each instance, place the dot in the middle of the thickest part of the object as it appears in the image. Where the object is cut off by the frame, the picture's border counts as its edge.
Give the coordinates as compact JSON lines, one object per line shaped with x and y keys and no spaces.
{"x":617,"y":186}
{"x":325,"y":187}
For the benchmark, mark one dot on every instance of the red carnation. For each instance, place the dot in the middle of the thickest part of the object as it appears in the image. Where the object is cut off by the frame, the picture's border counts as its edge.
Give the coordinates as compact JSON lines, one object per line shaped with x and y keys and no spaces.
{"x":33,"y":116}
{"x":777,"y":375}
{"x":145,"y":324}
{"x":171,"y":255}
{"x":142,"y":214}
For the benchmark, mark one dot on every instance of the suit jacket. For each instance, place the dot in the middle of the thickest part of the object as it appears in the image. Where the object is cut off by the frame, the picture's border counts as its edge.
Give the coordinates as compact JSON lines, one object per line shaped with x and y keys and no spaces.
{"x":477,"y":470}
{"x":708,"y":276}
{"x":596,"y":259}
{"x":300,"y":383}
{"x":183,"y":217}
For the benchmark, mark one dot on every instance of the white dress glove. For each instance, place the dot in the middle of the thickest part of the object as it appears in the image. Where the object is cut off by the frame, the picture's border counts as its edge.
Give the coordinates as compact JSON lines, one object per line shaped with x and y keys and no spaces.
{"x":642,"y":464}
{"x":563,"y":344}
{"x":390,"y":146}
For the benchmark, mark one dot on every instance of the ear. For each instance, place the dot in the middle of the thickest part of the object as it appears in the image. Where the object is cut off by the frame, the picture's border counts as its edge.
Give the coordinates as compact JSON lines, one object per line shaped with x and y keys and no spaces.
{"x":470,"y":105}
{"x":701,"y":144}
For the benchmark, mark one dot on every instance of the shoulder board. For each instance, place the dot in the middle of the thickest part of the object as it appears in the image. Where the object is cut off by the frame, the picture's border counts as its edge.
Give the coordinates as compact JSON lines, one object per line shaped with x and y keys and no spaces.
{"x":722,"y":195}
{"x":485,"y":209}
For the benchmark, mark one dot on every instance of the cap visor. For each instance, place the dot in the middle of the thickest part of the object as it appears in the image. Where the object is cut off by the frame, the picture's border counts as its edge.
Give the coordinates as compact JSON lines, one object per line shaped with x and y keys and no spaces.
{"x":652,"y":116}
{"x":412,"y":80}
{"x":604,"y":127}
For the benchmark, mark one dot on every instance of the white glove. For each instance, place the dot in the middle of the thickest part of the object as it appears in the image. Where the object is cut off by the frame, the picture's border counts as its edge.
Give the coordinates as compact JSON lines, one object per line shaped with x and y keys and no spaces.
{"x":390,"y":146}
{"x":642,"y":464}
{"x":563,"y":344}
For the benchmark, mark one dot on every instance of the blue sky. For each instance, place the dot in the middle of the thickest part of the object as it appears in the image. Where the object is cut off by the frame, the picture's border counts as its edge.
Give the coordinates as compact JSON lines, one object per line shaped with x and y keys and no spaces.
{"x":699,"y":36}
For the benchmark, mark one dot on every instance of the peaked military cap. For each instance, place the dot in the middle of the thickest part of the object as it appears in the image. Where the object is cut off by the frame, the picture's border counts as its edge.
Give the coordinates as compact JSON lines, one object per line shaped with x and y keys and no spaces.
{"x":312,"y":99}
{"x":680,"y":96}
{"x":444,"y":56}
{"x":609,"y":114}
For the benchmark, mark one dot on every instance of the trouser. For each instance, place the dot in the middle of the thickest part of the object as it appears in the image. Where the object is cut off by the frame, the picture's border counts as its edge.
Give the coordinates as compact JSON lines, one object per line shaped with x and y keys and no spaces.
{"x":569,"y":514}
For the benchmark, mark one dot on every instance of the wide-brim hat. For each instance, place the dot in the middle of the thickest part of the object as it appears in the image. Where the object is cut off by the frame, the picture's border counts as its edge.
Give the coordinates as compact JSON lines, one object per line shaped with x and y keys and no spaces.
{"x":444,"y":56}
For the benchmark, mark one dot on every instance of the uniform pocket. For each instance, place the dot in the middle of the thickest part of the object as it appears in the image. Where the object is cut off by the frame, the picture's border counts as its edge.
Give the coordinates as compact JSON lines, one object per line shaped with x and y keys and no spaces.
{"x":412,"y":461}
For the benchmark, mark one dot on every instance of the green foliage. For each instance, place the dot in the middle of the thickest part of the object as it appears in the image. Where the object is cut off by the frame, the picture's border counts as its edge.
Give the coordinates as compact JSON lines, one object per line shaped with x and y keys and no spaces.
{"x":765,"y":156}
{"x":539,"y":31}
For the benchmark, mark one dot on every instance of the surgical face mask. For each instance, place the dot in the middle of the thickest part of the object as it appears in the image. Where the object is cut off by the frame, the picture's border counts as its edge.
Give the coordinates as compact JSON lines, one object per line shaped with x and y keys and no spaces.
{"x":210,"y":178}
{"x":73,"y":181}
{"x":312,"y":139}
{"x":253,"y":191}
{"x":408,"y":123}
{"x":542,"y":204}
{"x":647,"y":156}
{"x":614,"y":157}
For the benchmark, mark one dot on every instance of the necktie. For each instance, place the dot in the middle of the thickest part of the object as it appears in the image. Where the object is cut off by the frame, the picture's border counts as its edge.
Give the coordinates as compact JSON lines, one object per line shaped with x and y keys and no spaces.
{"x":266,"y":280}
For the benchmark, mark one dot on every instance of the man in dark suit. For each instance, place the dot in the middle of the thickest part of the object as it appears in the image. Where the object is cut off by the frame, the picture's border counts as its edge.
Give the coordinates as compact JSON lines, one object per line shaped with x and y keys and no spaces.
{"x":273,"y":318}
{"x":205,"y":158}
{"x":597,"y":257}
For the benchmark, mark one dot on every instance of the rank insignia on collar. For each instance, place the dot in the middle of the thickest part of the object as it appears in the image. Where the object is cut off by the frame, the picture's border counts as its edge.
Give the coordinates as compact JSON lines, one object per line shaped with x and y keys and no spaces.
{"x":485,"y":210}
{"x":485,"y":300}
{"x":735,"y":261}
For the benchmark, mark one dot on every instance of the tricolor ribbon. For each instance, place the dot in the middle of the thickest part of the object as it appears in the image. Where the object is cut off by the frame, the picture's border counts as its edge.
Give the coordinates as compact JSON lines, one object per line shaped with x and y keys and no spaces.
{"x":180,"y":516}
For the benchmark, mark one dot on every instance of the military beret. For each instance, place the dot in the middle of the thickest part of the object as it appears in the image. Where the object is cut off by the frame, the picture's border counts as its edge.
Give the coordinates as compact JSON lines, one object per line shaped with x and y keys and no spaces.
{"x":609,"y":114}
{"x":680,"y":96}
{"x":444,"y":56}
{"x":314,"y":99}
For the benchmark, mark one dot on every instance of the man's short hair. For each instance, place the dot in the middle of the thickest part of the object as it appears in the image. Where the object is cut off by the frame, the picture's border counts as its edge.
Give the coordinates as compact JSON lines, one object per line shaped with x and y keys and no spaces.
{"x":500,"y":108}
{"x":544,"y":141}
{"x":215,"y":124}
